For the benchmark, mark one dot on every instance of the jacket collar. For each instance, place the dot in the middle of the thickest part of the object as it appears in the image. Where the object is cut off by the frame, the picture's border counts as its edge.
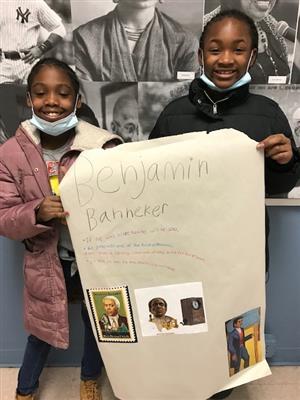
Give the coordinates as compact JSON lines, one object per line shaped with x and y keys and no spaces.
{"x":87,"y":136}
{"x":207,"y":101}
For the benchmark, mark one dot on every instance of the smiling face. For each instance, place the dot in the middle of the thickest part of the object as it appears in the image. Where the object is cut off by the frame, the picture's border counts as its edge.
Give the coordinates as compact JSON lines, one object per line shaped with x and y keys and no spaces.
{"x":227,"y":49}
{"x":52,"y":94}
{"x":257,"y":9}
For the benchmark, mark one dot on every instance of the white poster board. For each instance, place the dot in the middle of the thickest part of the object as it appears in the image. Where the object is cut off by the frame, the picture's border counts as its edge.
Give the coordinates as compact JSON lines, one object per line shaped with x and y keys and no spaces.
{"x":172,"y":230}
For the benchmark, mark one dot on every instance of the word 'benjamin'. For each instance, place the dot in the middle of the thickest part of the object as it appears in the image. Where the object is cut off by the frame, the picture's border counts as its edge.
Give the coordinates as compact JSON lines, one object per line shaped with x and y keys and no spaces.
{"x":111,"y":179}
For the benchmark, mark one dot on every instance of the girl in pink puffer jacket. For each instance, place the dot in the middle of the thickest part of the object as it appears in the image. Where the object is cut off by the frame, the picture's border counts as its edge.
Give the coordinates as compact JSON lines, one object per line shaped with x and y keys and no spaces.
{"x":32,"y":164}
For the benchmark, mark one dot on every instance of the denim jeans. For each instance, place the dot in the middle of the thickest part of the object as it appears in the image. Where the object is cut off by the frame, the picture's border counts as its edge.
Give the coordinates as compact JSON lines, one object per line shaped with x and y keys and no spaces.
{"x":37,"y":351}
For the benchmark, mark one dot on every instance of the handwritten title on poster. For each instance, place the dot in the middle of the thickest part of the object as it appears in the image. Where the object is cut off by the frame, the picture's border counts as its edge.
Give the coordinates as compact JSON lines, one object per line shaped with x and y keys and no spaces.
{"x":107,"y":180}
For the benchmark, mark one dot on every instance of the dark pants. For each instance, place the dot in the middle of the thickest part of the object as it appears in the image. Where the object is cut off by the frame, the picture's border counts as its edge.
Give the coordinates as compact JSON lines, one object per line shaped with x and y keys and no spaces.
{"x":37,"y":351}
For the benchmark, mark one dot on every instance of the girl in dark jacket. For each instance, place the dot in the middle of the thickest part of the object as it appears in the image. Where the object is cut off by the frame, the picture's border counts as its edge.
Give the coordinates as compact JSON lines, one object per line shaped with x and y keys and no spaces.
{"x":272,"y":56}
{"x":221,"y":99}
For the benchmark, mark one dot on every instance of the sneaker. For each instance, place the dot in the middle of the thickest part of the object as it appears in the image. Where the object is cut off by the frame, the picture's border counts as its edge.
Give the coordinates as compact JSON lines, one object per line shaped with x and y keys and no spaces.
{"x":222,"y":395}
{"x":25,"y":396}
{"x":89,"y":390}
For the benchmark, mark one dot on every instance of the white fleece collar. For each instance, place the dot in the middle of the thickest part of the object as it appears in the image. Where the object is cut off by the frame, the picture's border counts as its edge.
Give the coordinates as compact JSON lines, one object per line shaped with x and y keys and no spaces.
{"x":87,"y":136}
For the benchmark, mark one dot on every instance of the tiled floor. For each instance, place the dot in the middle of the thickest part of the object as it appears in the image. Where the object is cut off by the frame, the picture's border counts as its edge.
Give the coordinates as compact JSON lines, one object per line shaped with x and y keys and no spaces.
{"x":63,"y":384}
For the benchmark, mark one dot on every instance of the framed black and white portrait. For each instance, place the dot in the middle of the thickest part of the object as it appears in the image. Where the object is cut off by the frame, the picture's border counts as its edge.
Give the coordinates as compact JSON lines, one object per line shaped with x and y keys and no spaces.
{"x":124,"y":41}
{"x":115,"y":106}
{"x":30,"y":30}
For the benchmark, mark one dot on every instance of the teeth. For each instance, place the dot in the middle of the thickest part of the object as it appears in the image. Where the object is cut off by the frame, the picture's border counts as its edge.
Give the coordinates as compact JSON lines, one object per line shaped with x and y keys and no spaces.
{"x":224,"y":72}
{"x":52,"y":114}
{"x":264,"y":4}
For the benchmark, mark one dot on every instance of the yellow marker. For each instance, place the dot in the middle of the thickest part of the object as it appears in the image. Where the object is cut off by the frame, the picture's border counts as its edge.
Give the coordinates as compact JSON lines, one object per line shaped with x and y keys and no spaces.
{"x":54,"y":183}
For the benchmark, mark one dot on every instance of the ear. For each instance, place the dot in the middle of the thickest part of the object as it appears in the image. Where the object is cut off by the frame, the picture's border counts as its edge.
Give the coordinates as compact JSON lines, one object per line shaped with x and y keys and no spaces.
{"x":78,"y":105}
{"x":28,"y":100}
{"x":253,"y":58}
{"x":200,"y":57}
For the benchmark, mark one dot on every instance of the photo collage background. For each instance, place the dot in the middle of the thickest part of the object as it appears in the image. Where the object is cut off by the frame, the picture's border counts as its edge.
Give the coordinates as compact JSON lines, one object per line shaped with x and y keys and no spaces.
{"x":129,"y":75}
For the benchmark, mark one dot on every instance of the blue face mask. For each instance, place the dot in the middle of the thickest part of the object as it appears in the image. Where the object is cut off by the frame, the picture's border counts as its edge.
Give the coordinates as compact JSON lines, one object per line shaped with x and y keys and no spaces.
{"x":242,"y":81}
{"x":245,"y":79}
{"x":58,"y":127}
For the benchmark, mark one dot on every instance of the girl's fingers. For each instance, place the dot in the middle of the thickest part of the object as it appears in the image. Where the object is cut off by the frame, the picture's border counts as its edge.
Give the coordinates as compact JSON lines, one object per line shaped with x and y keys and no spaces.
{"x":274,"y":140}
{"x":282,"y":157}
{"x":51,"y":208}
{"x":277,"y":147}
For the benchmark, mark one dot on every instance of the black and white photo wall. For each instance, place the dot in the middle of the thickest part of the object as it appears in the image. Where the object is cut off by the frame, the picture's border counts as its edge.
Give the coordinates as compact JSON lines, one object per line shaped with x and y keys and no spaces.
{"x":135,"y":56}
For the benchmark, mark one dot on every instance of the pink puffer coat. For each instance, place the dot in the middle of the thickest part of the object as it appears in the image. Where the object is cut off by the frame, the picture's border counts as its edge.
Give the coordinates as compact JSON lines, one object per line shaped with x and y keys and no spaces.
{"x":23,"y":185}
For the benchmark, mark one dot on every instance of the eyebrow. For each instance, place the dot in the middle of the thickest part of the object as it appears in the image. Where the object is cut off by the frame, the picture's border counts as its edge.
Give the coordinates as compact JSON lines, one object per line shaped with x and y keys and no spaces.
{"x":239,"y":40}
{"x":58,"y":85}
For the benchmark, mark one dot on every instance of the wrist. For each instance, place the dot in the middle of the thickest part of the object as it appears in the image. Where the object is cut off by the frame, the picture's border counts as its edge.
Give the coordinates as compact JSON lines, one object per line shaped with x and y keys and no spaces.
{"x":36,"y":211}
{"x":45,"y":46}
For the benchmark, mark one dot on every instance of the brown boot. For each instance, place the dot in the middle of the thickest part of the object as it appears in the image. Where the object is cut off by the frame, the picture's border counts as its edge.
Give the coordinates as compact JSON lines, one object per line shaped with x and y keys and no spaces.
{"x":31,"y":396}
{"x":89,"y":390}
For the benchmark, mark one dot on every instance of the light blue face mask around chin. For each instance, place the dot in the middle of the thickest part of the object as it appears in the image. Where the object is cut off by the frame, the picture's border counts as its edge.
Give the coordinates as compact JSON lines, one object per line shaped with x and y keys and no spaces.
{"x":246,"y":78}
{"x":55,"y":128}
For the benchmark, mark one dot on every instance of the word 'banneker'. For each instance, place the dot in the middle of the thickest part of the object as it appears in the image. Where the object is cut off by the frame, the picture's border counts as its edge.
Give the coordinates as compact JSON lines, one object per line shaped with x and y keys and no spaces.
{"x":96,"y":217}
